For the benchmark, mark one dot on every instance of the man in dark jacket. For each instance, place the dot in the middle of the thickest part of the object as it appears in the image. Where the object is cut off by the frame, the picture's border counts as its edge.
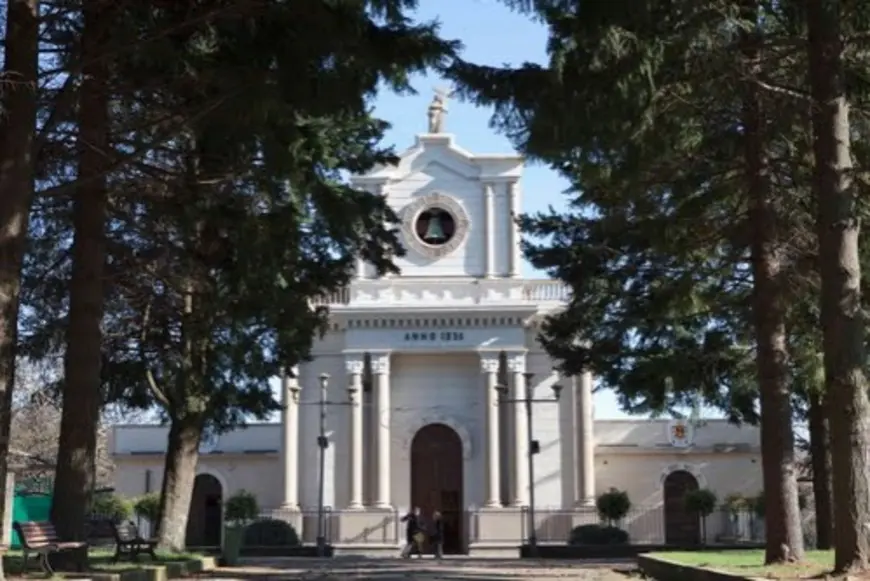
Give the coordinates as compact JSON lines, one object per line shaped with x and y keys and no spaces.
{"x":437,"y":537}
{"x":413,"y":530}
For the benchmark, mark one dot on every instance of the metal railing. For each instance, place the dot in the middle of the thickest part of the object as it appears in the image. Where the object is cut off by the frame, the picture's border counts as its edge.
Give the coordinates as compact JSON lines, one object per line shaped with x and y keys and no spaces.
{"x":644,"y":525}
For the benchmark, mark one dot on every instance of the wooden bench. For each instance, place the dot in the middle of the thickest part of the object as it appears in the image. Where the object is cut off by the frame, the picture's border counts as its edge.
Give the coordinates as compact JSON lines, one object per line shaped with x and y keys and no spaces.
{"x":129,"y":543}
{"x":41,"y":538}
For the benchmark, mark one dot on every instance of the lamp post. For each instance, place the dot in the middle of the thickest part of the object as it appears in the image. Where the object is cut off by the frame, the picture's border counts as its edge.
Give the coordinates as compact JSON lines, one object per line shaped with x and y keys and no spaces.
{"x":323,"y":404}
{"x":528,"y":399}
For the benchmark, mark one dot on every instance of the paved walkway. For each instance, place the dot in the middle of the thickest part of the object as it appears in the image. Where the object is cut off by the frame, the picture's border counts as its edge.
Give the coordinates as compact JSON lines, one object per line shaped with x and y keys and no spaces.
{"x":450,"y":569}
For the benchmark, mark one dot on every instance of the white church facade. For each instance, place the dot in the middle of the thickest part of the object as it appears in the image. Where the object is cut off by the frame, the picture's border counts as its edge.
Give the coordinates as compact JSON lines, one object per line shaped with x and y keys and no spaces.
{"x":411,"y":366}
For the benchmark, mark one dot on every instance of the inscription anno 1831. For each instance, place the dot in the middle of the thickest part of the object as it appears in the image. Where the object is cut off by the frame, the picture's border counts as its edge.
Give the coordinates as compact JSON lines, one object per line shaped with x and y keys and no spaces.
{"x":420,"y":336}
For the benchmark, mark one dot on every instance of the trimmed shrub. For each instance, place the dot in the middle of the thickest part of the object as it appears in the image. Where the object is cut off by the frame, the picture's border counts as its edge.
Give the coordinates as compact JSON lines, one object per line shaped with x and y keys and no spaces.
{"x":735,"y":503}
{"x":147,"y":506}
{"x":702,"y":502}
{"x":111,"y":507}
{"x":597,"y":535}
{"x":271,"y":533}
{"x":757,"y":505}
{"x":613,"y":505}
{"x":241,"y":509}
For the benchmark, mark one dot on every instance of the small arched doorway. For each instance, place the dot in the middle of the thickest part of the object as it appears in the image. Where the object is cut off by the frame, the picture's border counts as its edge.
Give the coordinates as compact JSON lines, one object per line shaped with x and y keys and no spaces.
{"x":204,"y":521}
{"x":682,"y":527}
{"x":436,"y":480}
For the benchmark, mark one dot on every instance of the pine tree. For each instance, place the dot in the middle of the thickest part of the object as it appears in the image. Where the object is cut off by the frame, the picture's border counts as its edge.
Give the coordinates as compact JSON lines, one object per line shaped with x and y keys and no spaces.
{"x":679,"y":212}
{"x":224,"y":223}
{"x":841,"y":304}
{"x":18,"y":109}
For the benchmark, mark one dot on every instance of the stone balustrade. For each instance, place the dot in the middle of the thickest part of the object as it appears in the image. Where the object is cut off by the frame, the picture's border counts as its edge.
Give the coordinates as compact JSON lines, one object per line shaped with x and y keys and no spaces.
{"x":419,"y":292}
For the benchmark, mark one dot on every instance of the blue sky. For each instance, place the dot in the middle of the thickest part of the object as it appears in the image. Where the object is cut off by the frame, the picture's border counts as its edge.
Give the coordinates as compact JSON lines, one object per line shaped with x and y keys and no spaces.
{"x":491,"y":34}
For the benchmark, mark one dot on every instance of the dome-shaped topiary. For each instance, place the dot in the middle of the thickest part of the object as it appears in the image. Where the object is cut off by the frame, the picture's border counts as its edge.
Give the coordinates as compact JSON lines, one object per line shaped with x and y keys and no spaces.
{"x":593,"y":534}
{"x":271,"y":533}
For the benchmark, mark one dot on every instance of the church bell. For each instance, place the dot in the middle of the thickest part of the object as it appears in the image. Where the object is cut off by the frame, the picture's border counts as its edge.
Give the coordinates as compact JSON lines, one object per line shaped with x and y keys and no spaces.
{"x":434,"y":230}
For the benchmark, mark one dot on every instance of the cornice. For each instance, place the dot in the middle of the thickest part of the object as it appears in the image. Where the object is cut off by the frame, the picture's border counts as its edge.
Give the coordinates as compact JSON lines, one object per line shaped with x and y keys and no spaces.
{"x":666,"y":450}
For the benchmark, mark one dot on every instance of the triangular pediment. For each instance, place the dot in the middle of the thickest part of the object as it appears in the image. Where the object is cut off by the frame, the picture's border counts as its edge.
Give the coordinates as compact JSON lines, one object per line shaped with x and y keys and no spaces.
{"x":428,"y":150}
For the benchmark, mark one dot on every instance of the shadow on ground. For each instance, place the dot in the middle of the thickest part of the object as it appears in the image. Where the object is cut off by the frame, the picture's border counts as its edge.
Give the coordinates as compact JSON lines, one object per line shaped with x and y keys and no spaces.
{"x":450,"y":569}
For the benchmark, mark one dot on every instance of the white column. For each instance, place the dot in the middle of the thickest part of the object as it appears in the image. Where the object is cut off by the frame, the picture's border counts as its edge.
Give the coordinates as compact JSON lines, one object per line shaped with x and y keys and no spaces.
{"x":381,"y":372}
{"x":490,"y":229}
{"x":517,"y":366}
{"x":360,"y":268}
{"x":381,"y":190}
{"x":489,"y":367}
{"x":586,"y":419}
{"x":514,"y":253}
{"x":290,"y":439}
{"x":355,"y":449}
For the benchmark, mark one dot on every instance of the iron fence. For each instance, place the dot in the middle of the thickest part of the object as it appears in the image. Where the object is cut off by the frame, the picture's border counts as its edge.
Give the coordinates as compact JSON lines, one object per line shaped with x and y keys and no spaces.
{"x":644,"y":525}
{"x":650,"y":525}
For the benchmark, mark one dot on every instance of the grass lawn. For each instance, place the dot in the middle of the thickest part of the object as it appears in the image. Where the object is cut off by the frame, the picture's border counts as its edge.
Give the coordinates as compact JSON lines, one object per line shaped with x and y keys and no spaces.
{"x":751,"y":563}
{"x":99,"y":560}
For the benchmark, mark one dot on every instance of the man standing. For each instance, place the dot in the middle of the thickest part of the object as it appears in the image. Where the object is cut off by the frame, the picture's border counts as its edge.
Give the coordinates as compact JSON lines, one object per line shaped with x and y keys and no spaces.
{"x":438,"y":534}
{"x":413,"y":532}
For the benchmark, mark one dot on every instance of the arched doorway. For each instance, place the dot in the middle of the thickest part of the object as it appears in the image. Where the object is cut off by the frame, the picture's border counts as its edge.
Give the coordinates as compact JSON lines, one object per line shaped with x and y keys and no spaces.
{"x":681,"y":526}
{"x":204,"y":521}
{"x":436,"y":480}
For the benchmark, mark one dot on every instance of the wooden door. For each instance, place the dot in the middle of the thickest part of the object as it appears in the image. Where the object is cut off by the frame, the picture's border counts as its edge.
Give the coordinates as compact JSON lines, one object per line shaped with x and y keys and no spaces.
{"x":206,"y":512}
{"x":681,"y":526}
{"x":436,"y":480}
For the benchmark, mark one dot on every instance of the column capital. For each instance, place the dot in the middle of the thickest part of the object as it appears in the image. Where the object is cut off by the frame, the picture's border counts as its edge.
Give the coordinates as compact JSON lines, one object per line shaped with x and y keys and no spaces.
{"x":517,"y":362}
{"x":354,"y":364}
{"x":381,"y":363}
{"x":489,"y":363}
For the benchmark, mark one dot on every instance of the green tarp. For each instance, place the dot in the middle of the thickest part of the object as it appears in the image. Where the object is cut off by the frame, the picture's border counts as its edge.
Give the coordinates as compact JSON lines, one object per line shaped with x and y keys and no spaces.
{"x":29,"y":507}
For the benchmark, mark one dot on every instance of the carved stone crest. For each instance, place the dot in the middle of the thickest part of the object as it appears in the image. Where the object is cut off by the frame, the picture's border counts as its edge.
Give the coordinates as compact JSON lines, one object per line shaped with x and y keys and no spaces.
{"x":411,"y":214}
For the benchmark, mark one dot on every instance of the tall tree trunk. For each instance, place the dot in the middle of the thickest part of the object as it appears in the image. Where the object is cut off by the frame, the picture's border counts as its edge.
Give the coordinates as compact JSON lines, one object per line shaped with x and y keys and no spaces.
{"x":76,"y":458}
{"x":179,"y":473}
{"x":820,"y":457}
{"x":840,"y":268}
{"x":18,"y":103}
{"x":779,"y":465}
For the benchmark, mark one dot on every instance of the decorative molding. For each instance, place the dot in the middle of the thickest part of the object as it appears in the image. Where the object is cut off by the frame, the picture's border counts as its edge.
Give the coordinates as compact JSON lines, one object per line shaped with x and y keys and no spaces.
{"x":419,"y":205}
{"x":489,"y":363}
{"x":416,"y":424}
{"x":354,"y":364}
{"x":381,"y":364}
{"x":692,"y":469}
{"x":517,"y":363}
{"x":209,"y":471}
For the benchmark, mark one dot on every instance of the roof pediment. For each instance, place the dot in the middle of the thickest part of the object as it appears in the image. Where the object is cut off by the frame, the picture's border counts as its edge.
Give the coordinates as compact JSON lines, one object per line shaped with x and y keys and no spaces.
{"x":439,"y":150}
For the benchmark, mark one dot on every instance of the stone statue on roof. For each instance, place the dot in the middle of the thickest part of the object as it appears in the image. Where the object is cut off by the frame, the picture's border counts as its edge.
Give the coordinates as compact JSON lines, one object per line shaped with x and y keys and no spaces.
{"x":438,"y":109}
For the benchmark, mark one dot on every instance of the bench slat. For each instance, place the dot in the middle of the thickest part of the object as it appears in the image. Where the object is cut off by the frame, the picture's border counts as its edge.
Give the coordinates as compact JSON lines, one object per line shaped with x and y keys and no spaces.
{"x":37,"y":533}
